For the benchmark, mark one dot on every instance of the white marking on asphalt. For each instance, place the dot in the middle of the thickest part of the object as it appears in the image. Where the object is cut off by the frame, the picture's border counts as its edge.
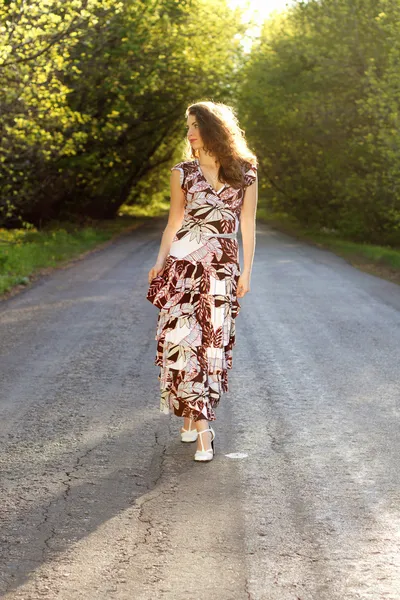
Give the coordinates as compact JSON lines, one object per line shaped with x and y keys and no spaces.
{"x":237,"y":455}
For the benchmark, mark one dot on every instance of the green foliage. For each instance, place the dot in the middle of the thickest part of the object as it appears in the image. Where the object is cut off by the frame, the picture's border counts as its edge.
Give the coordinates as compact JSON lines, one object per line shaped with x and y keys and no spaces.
{"x":320,"y":102}
{"x":93,"y":97}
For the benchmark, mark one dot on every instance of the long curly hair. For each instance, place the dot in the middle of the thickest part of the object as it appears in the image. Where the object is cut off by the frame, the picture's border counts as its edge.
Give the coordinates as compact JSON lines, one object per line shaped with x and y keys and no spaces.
{"x":222,"y":137}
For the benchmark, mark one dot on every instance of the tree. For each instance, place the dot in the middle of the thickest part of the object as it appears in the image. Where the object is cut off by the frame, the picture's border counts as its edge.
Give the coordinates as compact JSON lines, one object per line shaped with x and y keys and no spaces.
{"x":96,"y":93}
{"x":320,"y":103}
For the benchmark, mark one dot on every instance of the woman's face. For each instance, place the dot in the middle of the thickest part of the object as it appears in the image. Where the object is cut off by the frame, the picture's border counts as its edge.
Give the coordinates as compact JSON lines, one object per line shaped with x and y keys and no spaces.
{"x":193,"y":133}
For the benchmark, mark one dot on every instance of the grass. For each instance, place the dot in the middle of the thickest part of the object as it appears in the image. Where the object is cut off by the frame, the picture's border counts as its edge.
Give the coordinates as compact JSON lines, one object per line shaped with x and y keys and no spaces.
{"x":383,"y":261}
{"x":25,"y":253}
{"x":28,"y":253}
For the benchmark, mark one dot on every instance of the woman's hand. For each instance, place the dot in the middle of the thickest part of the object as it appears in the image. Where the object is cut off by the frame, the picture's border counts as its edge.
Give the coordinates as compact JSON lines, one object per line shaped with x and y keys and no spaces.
{"x":154,"y":271}
{"x":243,"y":285}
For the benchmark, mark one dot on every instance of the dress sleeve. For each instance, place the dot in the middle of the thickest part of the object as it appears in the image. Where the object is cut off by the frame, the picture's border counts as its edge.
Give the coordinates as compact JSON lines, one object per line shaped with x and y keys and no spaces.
{"x":250,"y":176}
{"x":179,"y":167}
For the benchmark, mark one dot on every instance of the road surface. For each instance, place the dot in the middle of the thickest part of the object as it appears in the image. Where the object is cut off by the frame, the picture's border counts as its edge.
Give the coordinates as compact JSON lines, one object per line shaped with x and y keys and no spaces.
{"x":99,"y":498}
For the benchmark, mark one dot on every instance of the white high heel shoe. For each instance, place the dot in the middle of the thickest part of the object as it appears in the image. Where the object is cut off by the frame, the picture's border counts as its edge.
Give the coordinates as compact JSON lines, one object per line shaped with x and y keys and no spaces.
{"x":205,"y":455}
{"x":189,"y":435}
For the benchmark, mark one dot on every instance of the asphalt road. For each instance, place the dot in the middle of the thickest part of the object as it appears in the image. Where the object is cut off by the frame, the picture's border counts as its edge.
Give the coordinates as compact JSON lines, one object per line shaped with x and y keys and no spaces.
{"x":99,"y":498}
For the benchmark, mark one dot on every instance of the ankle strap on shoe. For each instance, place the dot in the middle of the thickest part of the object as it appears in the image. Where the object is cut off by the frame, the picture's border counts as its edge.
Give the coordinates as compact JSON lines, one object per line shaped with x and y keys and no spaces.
{"x":209,"y":430}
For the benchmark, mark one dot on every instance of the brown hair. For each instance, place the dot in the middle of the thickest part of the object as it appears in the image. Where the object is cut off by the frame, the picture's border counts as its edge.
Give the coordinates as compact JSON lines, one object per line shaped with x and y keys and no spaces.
{"x":222,"y":137}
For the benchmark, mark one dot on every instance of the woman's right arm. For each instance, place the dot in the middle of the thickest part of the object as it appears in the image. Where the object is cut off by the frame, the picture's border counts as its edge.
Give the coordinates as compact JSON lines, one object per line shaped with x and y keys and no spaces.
{"x":175,"y":218}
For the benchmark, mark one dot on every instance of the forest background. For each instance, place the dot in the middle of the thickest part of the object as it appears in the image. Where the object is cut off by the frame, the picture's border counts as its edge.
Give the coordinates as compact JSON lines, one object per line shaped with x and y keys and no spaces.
{"x":92,"y":101}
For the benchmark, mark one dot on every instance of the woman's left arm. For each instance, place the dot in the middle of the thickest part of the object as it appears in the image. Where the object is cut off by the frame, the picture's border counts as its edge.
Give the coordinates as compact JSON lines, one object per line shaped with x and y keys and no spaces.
{"x":248,"y":231}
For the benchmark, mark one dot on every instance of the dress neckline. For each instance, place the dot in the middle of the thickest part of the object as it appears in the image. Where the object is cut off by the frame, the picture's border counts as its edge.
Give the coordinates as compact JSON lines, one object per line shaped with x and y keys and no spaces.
{"x":206,"y":180}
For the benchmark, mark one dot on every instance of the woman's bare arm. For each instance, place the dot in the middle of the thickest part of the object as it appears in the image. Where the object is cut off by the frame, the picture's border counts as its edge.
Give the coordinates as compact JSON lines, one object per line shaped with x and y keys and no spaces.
{"x":175,"y":218}
{"x":248,"y":230}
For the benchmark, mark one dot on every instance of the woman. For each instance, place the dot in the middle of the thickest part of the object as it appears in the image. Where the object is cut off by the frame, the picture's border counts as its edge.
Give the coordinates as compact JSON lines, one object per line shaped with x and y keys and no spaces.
{"x":196,"y":279}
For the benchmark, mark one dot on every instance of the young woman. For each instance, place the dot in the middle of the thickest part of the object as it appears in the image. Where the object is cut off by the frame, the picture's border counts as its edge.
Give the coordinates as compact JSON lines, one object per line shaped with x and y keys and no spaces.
{"x":196,"y":280}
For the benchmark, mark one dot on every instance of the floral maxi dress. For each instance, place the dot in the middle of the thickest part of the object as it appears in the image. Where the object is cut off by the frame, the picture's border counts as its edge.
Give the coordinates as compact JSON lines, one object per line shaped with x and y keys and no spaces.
{"x":196,"y":295}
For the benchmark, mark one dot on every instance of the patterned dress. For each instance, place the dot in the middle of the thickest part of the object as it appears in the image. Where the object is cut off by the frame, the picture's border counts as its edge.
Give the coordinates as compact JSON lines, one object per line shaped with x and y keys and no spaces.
{"x":196,"y":295}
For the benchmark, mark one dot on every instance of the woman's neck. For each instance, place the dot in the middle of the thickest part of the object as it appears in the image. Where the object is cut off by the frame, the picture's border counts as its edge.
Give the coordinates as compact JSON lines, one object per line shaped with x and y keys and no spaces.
{"x":207,"y":160}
